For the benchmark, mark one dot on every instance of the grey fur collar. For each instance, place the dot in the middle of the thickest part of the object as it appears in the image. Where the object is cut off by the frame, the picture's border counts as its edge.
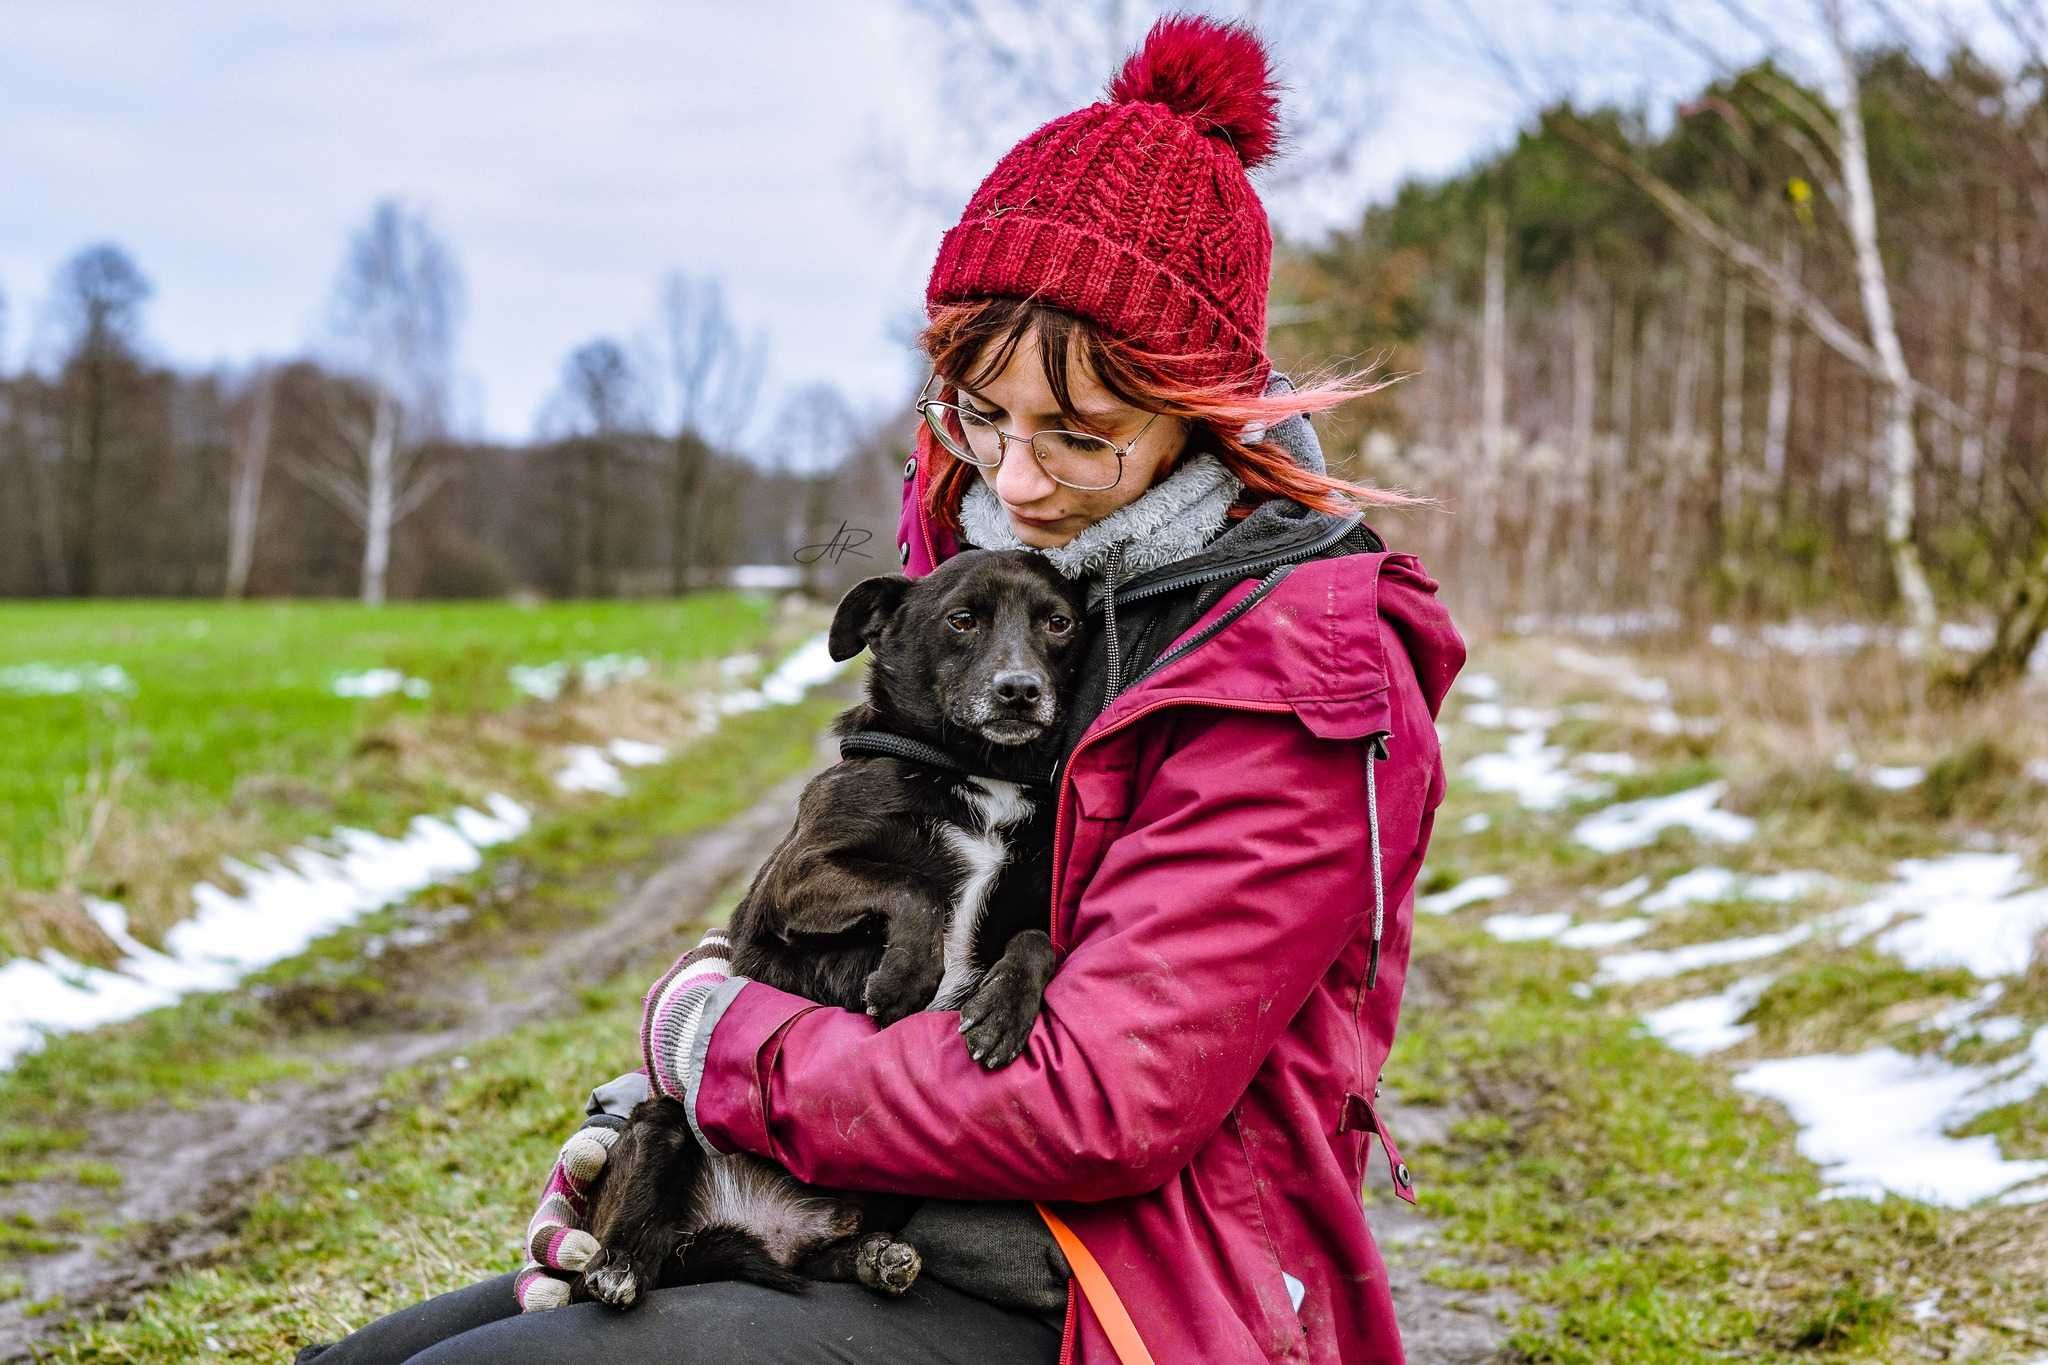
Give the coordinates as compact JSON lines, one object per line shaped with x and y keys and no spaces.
{"x":1166,"y":523}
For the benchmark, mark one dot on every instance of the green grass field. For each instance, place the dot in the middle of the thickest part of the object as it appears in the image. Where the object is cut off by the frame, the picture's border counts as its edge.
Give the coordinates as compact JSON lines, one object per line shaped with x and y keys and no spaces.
{"x":222,"y":731}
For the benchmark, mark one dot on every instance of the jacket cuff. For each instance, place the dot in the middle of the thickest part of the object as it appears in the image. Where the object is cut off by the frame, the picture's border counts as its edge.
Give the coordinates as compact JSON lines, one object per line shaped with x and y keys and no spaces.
{"x":691,"y":1060}
{"x":732,"y":1062}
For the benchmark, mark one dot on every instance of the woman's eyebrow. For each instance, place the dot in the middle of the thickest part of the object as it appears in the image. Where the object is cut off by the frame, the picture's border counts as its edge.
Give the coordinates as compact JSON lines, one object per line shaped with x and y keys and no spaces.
{"x":1095,"y":416}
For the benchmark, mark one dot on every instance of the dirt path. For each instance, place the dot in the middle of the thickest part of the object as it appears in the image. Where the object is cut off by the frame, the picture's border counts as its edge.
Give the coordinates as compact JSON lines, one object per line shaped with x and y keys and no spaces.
{"x":185,"y":1171}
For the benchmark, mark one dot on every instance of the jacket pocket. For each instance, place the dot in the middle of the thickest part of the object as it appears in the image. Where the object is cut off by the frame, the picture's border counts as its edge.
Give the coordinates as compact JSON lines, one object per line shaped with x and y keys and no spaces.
{"x":1284,"y":1335}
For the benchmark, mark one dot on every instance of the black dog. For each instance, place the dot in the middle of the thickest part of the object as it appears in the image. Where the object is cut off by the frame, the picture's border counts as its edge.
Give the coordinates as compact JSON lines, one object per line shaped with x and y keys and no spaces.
{"x":917,"y":877}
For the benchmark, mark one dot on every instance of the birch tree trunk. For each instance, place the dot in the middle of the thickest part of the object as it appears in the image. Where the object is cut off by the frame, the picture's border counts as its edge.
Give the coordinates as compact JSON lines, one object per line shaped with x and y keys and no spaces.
{"x":1734,"y":455}
{"x":1900,"y":445}
{"x":245,"y":488}
{"x":380,"y":498}
{"x":1778,"y":403}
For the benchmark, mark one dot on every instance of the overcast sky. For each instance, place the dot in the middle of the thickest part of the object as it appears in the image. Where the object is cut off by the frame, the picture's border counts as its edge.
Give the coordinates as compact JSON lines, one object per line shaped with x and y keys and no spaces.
{"x":571,"y":156}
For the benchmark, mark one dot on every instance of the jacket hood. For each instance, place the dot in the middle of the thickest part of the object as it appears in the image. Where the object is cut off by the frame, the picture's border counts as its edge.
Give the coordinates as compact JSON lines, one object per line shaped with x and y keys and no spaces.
{"x":1319,"y":635}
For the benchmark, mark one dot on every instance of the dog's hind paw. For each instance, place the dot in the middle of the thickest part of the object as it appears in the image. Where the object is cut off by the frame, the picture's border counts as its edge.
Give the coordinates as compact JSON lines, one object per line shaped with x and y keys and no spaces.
{"x":612,"y":1281}
{"x":886,"y":1265}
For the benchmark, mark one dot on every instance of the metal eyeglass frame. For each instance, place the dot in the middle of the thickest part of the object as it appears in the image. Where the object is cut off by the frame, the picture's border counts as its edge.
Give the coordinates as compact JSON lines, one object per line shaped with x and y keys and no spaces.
{"x":1003,"y":438}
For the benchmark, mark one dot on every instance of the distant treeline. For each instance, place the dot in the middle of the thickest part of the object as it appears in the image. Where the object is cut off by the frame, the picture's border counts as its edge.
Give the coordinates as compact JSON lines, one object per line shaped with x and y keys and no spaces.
{"x":334,"y":475}
{"x":1659,"y":371}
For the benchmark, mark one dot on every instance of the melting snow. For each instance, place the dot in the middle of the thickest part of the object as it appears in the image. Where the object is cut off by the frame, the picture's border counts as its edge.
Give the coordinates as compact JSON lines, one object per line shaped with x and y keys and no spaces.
{"x":1705,"y":884}
{"x":1623,"y":894}
{"x":379,"y":682}
{"x":289,"y":901}
{"x":1708,"y":1023}
{"x":1897,"y":779}
{"x":1654,"y":964}
{"x":1875,"y":1122}
{"x":546,"y":681}
{"x":1634,"y":824}
{"x":1616,"y":671}
{"x":1533,"y":771}
{"x":1471,"y":891}
{"x":60,"y":680}
{"x":1479,"y":686}
{"x":285,"y":904}
{"x":1970,"y":910}
{"x":1603,"y":933}
{"x":588,"y":770}
{"x":1522,"y":928}
{"x":1476,"y":823}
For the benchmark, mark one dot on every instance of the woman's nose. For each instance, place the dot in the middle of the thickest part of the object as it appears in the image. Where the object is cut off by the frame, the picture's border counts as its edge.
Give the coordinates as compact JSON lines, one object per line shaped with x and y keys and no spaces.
{"x":1021,"y":480}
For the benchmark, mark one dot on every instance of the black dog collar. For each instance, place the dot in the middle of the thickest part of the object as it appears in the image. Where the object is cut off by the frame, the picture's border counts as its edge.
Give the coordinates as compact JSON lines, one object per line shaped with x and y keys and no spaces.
{"x":881,"y":743}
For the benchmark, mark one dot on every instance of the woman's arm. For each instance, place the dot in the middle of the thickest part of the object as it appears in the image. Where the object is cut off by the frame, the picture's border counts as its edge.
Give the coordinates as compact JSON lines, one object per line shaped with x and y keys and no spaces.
{"x":1208,"y":924}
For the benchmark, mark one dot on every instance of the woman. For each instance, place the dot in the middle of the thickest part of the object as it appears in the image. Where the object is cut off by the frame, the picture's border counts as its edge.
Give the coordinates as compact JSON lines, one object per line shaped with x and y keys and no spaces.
{"x":1244,"y":805}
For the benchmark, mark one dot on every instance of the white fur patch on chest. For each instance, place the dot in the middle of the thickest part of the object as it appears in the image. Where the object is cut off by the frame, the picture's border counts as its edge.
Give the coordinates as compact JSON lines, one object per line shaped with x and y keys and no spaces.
{"x":982,"y":850}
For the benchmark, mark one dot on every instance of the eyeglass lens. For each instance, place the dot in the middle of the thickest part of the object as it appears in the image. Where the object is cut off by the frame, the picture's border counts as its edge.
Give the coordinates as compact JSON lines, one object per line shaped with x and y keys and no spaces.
{"x":1070,"y":457}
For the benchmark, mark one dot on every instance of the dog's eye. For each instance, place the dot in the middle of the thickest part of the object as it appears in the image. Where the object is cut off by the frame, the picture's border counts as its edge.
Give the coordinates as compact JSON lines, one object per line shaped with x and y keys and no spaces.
{"x":961,"y":621}
{"x":1059,"y":625}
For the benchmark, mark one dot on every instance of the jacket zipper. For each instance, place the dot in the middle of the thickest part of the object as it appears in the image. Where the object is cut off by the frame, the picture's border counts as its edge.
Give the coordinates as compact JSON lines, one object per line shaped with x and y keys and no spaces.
{"x":1070,"y":1330}
{"x":1375,"y":753}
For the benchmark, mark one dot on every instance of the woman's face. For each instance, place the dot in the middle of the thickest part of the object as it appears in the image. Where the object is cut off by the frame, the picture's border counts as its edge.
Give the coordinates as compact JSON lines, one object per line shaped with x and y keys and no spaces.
{"x":1020,"y":400}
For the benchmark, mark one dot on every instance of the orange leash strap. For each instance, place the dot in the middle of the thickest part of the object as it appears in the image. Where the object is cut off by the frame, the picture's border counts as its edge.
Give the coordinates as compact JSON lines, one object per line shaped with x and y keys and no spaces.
{"x":1101,"y":1294}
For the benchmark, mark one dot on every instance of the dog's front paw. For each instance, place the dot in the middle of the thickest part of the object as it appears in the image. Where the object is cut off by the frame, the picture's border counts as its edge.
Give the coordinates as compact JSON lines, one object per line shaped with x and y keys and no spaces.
{"x":893,"y":995}
{"x":997,"y":1018}
{"x":886,"y":1265}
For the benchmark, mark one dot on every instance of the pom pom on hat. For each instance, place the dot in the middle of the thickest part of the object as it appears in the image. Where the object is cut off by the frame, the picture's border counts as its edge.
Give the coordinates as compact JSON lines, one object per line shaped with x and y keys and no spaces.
{"x":1212,"y":72}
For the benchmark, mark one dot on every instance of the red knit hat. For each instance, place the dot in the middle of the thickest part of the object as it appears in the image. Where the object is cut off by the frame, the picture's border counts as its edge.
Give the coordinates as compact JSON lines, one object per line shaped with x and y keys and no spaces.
{"x":1136,"y":212}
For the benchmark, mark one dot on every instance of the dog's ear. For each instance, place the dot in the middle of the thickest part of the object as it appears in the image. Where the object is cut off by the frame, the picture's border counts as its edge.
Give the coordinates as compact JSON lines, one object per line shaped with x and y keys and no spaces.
{"x":858,"y":620}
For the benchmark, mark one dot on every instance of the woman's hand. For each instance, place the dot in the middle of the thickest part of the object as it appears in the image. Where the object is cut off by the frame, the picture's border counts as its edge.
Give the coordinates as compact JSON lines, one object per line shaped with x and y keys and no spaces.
{"x":672,"y":1014}
{"x":558,"y":1244}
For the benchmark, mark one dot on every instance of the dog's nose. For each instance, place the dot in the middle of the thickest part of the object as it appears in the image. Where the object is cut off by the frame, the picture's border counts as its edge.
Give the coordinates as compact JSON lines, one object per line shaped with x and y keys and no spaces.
{"x":1019,"y":687}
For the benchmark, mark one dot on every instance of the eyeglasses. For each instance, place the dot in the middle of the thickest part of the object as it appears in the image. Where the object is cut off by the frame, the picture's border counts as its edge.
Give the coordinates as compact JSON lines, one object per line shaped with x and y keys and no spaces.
{"x":1073,"y":458}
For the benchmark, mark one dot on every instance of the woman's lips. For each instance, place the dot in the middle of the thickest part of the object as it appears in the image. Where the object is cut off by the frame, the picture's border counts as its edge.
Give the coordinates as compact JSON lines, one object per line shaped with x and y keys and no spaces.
{"x":1035,"y":521}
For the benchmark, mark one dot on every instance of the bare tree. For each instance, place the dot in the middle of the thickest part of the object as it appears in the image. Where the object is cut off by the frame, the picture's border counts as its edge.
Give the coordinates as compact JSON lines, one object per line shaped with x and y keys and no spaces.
{"x":815,"y":435}
{"x":395,"y":307}
{"x":249,"y":425}
{"x":713,"y":380}
{"x":99,"y":298}
{"x":1048,"y":59}
{"x":597,"y":405}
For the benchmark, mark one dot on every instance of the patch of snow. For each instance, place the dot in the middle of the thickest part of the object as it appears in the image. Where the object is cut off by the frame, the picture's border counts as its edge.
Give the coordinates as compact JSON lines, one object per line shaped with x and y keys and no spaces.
{"x":1876,"y":1122}
{"x":1634,"y":824}
{"x":1707,"y":884}
{"x":588,"y":770}
{"x":808,"y":665}
{"x":1522,"y":928}
{"x":1969,"y":910}
{"x":1656,"y":964}
{"x":1620,"y":672}
{"x":1533,"y":771}
{"x":1478,"y":822}
{"x":1604,"y":933}
{"x":1613,"y":765}
{"x":1623,"y":894}
{"x":1479,"y":686}
{"x":757,"y":576}
{"x":2038,"y":769}
{"x":546,"y":681}
{"x":65,"y":680}
{"x":380,"y":682}
{"x":1471,"y":891}
{"x":635,"y":753}
{"x":1708,"y":1023}
{"x":1493,"y":716}
{"x":1598,"y":625}
{"x":285,"y":904}
{"x":1665,"y":721}
{"x":1897,"y":779}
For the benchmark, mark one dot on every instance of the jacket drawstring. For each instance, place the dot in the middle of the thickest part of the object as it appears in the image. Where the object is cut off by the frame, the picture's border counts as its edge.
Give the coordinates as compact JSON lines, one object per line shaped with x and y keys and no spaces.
{"x":1112,"y":564}
{"x":1375,"y":750}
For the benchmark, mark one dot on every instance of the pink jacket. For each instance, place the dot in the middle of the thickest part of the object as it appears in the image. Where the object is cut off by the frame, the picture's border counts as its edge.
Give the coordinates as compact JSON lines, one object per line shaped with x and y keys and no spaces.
{"x":1196,"y":1100}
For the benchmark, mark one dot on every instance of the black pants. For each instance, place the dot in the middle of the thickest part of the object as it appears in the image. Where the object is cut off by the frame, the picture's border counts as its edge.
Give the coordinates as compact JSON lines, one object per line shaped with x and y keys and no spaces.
{"x":705,"y":1324}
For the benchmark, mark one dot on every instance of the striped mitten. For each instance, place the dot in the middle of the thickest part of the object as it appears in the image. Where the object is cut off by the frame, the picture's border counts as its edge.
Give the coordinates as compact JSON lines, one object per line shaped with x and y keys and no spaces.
{"x":674,"y":1008}
{"x":557,"y":1244}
